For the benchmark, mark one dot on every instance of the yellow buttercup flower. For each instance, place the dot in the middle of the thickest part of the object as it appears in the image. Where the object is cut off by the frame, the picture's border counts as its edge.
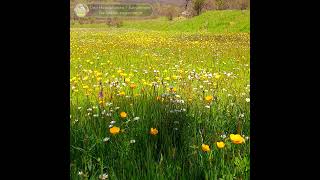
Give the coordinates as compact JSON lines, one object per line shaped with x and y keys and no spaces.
{"x":127,"y":80}
{"x":153,"y":131}
{"x":114,"y":130}
{"x":85,"y":87}
{"x":205,"y":148}
{"x":220,"y":144}
{"x":217,"y":76}
{"x":123,"y":74}
{"x":123,"y":115}
{"x":208,"y":98}
{"x":122,"y":93}
{"x":236,"y":138}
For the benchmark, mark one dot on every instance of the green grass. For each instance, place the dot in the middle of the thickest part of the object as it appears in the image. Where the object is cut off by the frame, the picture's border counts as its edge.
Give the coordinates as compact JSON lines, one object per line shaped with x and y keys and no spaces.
{"x":196,"y":64}
{"x":211,"y":21}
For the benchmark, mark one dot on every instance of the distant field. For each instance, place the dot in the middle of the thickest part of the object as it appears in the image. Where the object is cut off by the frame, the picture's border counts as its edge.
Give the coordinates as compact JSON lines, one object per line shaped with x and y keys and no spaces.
{"x":211,"y":21}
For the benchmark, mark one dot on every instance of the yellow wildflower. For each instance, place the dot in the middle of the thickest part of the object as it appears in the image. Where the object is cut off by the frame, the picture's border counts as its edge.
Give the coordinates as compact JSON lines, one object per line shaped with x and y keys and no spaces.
{"x":123,"y":115}
{"x":127,"y":80}
{"x":220,"y":144}
{"x":153,"y":131}
{"x":208,"y":98}
{"x":114,"y":130}
{"x":236,"y":138}
{"x":205,"y":148}
{"x":122,"y":93}
{"x":85,"y":87}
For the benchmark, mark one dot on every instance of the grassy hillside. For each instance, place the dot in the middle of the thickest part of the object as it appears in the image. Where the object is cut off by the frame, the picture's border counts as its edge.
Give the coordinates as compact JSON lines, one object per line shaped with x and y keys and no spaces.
{"x":211,"y":21}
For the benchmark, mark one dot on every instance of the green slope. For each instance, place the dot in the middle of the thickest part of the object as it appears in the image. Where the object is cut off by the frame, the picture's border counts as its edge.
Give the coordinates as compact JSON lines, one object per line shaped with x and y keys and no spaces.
{"x":211,"y":21}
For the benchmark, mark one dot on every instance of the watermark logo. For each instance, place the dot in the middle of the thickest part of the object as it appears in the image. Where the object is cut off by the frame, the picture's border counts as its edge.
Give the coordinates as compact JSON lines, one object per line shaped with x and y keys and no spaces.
{"x":101,"y":10}
{"x":81,"y":10}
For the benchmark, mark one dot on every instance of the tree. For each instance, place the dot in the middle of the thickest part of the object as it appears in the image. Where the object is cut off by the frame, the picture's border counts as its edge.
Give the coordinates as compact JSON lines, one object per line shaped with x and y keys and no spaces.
{"x":198,"y":6}
{"x":187,"y":3}
{"x":221,"y":4}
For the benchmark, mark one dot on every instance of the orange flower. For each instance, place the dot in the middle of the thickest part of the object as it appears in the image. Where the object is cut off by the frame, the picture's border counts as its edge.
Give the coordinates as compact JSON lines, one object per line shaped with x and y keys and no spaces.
{"x":205,"y":148}
{"x":153,"y":131}
{"x":133,"y":86}
{"x":123,"y":115}
{"x":114,"y":130}
{"x":158,"y":98}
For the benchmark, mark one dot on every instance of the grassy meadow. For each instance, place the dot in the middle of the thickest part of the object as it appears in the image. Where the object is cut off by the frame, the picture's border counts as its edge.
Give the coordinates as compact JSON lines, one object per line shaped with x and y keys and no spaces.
{"x":161,"y":103}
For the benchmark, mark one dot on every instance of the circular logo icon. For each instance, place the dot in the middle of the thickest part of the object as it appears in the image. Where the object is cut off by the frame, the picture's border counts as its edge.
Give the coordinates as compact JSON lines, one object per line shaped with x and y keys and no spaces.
{"x":81,"y":10}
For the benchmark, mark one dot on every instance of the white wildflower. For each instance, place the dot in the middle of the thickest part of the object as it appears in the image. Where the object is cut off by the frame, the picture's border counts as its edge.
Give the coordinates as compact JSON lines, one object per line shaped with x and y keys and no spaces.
{"x":106,"y":139}
{"x":223,"y":136}
{"x":136,"y":118}
{"x":103,"y":176}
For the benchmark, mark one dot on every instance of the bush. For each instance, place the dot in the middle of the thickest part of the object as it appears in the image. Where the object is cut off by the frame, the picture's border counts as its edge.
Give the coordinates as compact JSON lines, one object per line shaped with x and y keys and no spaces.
{"x":91,"y":20}
{"x":114,"y":22}
{"x":171,"y":13}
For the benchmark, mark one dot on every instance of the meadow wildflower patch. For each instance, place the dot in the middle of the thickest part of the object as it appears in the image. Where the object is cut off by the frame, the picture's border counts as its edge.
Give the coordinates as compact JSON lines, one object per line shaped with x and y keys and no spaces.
{"x":159,"y":105}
